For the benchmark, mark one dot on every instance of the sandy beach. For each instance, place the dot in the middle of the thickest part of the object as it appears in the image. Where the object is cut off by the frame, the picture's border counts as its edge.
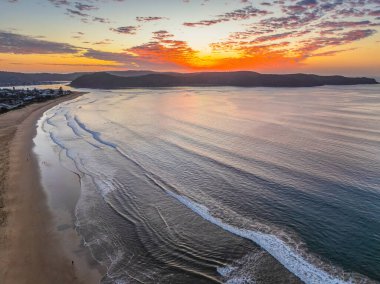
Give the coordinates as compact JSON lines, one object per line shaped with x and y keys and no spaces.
{"x":32,"y":250}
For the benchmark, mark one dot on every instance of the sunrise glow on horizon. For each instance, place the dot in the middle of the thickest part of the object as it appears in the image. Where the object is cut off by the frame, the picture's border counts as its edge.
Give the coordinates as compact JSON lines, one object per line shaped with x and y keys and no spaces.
{"x":283,"y":36}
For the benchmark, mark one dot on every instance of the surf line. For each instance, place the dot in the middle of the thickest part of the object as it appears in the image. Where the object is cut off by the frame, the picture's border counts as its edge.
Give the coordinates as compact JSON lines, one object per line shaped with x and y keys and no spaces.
{"x":287,"y":256}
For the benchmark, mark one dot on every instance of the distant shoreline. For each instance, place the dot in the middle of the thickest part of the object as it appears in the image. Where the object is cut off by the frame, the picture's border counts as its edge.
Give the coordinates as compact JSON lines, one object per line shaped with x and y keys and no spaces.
{"x":28,"y":84}
{"x":30,"y":246}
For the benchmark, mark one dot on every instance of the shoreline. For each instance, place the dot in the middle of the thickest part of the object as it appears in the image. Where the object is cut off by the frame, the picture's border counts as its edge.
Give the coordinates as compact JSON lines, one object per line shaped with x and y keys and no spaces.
{"x":31,"y":248}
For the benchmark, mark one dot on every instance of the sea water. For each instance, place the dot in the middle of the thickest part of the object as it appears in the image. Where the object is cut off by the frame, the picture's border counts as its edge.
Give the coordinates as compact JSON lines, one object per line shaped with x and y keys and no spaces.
{"x":235,"y":185}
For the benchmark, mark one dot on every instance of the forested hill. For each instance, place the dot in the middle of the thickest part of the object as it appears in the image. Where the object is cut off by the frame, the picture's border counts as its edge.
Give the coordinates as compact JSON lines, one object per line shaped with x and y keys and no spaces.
{"x":104,"y":80}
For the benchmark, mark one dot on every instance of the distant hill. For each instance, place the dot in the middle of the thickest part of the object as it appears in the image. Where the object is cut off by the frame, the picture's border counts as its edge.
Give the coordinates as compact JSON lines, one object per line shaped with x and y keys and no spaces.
{"x":14,"y":78}
{"x":104,"y":80}
{"x":131,"y":73}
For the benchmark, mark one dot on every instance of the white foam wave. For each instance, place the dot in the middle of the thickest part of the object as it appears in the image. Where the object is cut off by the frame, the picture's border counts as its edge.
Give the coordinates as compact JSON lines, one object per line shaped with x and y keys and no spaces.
{"x":287,"y":256}
{"x":228,"y":270}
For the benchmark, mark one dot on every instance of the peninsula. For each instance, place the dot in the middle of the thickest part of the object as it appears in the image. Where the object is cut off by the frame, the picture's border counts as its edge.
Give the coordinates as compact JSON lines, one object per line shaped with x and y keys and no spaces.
{"x":104,"y":80}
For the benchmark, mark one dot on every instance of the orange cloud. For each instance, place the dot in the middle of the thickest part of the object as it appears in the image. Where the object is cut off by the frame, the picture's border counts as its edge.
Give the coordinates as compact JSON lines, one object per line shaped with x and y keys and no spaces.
{"x":167,"y":50}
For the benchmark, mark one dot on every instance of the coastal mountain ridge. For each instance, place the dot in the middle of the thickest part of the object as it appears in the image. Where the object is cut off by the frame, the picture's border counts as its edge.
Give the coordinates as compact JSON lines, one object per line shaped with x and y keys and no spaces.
{"x":18,"y":78}
{"x":107,"y":80}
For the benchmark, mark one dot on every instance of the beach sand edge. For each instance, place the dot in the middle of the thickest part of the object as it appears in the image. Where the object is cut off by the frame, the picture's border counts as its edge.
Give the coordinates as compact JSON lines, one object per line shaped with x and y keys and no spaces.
{"x":30,"y":248}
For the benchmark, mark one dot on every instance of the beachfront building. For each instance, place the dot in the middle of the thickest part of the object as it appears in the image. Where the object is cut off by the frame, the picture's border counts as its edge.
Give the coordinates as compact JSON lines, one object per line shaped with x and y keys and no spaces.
{"x":14,"y":98}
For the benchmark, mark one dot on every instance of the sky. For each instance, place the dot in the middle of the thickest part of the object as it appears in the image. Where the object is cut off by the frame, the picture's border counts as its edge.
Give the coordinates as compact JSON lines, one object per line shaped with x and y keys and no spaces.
{"x":282,"y":36}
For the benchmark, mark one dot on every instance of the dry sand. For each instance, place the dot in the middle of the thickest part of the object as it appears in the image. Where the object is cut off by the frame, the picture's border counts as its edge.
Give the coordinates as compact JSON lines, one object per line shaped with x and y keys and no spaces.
{"x":31,"y":249}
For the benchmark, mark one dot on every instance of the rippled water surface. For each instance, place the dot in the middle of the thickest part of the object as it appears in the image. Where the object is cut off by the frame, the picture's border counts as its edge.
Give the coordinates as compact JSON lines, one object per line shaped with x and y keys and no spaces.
{"x":236,"y":185}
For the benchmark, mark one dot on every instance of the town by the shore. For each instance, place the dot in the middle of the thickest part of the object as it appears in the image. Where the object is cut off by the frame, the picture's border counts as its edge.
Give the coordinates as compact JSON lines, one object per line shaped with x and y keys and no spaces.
{"x":31,"y":248}
{"x":12,"y":98}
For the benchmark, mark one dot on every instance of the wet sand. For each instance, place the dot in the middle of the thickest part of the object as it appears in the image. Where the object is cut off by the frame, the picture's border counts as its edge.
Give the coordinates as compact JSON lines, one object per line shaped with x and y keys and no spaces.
{"x":32,"y":249}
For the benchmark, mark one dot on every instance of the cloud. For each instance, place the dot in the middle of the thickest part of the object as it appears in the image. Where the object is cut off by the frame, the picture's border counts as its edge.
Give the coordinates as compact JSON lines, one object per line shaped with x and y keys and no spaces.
{"x":72,"y":12}
{"x":150,"y":19}
{"x":129,"y":30}
{"x":78,"y":35}
{"x":127,"y":60}
{"x":80,"y":5}
{"x":291,"y":21}
{"x":236,"y":15}
{"x":79,"y":64}
{"x":204,"y":23}
{"x":101,"y":20}
{"x":103,"y":42}
{"x":161,"y":35}
{"x":310,"y":46}
{"x":272,"y":37}
{"x":307,"y":3}
{"x":355,"y":35}
{"x":85,"y":7}
{"x":23,"y":44}
{"x":59,"y":3}
{"x":85,"y":18}
{"x":165,"y":51}
{"x":332,"y":52}
{"x":342,"y":24}
{"x":162,"y":52}
{"x":119,"y":57}
{"x":374,"y":13}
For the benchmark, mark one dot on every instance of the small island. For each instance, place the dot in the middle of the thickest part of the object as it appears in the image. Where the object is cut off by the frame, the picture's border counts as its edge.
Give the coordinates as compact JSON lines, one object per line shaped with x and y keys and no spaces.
{"x":11,"y":98}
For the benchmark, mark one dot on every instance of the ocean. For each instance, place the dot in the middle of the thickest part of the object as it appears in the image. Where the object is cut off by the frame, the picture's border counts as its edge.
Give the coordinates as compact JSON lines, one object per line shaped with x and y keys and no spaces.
{"x":224,"y":184}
